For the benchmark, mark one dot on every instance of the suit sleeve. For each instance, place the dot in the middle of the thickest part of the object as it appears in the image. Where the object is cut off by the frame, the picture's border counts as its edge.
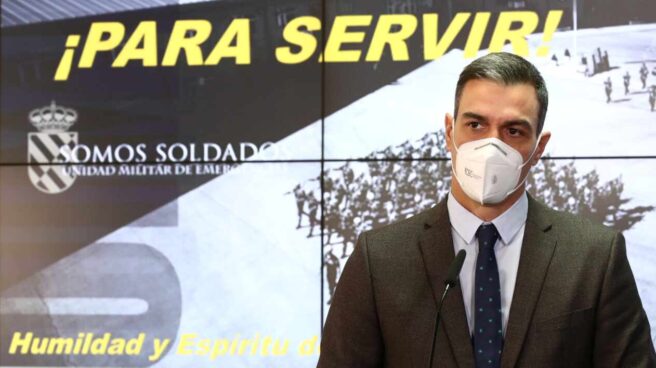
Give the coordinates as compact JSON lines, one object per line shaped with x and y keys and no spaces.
{"x":622,"y":337}
{"x":351,"y":335}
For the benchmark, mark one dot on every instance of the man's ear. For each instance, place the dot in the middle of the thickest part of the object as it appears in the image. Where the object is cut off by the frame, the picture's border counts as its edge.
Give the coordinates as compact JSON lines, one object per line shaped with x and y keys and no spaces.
{"x":542,"y":144}
{"x":448,"y":131}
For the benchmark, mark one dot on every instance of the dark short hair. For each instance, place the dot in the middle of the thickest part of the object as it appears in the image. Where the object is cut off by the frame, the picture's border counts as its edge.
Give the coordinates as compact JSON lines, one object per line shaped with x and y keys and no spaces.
{"x":508,"y":69}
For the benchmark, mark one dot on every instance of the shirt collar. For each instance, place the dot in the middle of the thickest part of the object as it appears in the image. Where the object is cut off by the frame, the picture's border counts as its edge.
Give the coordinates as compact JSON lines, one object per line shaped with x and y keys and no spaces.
{"x":508,"y":223}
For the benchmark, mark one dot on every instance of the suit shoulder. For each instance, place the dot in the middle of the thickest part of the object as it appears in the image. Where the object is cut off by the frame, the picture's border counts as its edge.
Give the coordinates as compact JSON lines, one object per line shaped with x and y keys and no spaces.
{"x":580,"y":229}
{"x":406,"y":229}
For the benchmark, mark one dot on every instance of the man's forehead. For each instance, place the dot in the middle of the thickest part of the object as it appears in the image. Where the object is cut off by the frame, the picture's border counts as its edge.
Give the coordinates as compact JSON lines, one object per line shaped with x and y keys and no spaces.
{"x":485,"y":96}
{"x":485,"y":83}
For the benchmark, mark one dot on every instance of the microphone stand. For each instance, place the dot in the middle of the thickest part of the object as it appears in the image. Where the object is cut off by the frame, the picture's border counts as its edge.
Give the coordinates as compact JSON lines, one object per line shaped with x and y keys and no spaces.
{"x":437,"y":323}
{"x":450,"y":282}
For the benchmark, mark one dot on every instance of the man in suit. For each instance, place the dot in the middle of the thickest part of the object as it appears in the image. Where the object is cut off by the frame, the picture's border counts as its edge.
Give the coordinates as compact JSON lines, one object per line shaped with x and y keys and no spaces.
{"x":539,"y":288}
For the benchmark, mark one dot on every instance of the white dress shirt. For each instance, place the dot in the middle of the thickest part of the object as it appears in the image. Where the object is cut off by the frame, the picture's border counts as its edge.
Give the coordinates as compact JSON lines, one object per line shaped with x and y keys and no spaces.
{"x":510,"y":226}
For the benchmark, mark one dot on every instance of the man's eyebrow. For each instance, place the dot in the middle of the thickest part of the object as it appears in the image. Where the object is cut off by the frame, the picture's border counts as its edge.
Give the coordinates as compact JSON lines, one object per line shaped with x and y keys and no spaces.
{"x":473,"y":115}
{"x":523,"y":122}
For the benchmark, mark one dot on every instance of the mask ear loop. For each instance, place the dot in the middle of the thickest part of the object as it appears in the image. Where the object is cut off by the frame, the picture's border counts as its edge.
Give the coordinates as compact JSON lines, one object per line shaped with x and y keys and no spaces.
{"x":524,"y":164}
{"x":453,"y":134}
{"x":453,"y":138}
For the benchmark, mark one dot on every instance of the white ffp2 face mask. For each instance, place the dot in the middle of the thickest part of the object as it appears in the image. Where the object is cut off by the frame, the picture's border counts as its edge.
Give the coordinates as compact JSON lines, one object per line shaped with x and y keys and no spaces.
{"x":488,"y":170}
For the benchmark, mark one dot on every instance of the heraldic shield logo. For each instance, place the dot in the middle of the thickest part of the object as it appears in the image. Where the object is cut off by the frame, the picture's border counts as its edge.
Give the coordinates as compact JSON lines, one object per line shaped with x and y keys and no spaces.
{"x":45,"y":148}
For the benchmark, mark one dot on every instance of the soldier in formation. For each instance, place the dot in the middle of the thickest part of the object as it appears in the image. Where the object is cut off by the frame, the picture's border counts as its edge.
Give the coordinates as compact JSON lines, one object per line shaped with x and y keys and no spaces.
{"x":313,"y":207}
{"x":331,"y":263}
{"x":627,"y":81}
{"x":608,"y":86}
{"x":644,"y":72}
{"x":300,"y":197}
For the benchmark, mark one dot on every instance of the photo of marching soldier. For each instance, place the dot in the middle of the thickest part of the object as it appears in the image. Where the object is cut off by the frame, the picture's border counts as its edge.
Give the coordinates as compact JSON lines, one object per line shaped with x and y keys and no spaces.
{"x":608,"y":87}
{"x":627,"y":81}
{"x":644,"y":72}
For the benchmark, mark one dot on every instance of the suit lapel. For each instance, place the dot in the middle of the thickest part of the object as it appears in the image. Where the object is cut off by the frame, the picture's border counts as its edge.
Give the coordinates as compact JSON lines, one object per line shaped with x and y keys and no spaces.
{"x":537,"y":250}
{"x":436,"y":246}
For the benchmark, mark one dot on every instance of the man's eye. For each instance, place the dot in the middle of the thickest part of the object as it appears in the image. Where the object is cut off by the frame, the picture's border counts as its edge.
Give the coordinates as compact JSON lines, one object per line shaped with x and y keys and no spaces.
{"x":514,"y":131}
{"x":474,"y":124}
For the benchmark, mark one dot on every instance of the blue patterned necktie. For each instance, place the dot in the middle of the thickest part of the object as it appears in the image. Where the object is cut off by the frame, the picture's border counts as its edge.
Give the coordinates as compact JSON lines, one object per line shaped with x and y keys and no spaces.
{"x":488,"y":337}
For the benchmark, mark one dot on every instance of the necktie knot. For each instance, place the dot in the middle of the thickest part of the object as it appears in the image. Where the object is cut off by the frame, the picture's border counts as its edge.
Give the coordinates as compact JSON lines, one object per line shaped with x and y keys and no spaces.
{"x":487,"y":236}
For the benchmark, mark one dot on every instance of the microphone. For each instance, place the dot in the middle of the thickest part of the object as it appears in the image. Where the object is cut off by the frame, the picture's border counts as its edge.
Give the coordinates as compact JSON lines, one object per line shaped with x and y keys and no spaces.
{"x":450,"y":282}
